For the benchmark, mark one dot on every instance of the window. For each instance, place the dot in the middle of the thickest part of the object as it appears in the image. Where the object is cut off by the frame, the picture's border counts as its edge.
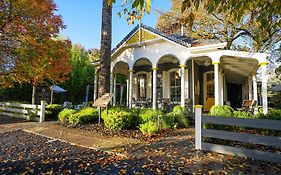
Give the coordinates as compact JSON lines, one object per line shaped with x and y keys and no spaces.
{"x":175,"y":83}
{"x":142,"y":86}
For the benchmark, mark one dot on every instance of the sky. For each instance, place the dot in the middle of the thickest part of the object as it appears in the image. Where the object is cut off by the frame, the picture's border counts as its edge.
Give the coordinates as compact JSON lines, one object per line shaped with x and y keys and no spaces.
{"x":83,"y":20}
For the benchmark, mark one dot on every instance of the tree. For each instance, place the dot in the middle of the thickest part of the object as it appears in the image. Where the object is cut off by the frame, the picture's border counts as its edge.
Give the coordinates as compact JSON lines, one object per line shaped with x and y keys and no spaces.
{"x":105,"y":49}
{"x":82,"y":72}
{"x":28,"y":51}
{"x":135,"y":11}
{"x":221,"y":26}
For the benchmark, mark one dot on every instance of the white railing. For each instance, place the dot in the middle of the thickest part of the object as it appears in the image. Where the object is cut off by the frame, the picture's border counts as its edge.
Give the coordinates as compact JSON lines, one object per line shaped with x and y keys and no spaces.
{"x":25,"y":111}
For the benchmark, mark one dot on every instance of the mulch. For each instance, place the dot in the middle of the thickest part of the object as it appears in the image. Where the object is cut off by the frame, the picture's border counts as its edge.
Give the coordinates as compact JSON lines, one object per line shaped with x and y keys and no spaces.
{"x":130,"y":133}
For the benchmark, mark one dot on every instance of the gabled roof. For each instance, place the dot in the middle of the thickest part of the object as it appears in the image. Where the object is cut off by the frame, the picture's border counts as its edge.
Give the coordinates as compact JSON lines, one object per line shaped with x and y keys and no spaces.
{"x":184,"y":41}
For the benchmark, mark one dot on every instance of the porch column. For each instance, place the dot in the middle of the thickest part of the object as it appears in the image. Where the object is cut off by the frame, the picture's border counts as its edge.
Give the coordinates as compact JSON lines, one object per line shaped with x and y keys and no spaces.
{"x":154,"y":90}
{"x":127,"y":96}
{"x":148,"y":85}
{"x":217,"y":93}
{"x":95,"y":85}
{"x":250,"y":86}
{"x":130,"y":87}
{"x":255,"y":88}
{"x":111,"y":82}
{"x":221,"y":90}
{"x":264,"y":87}
{"x":182,"y":85}
{"x":114,"y":91}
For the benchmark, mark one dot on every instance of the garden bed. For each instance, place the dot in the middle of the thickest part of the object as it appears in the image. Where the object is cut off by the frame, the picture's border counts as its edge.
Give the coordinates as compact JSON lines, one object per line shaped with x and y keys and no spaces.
{"x":129,"y":133}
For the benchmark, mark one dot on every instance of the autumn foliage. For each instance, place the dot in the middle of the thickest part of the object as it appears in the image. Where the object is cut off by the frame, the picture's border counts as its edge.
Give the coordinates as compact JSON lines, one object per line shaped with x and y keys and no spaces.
{"x":29,"y":52}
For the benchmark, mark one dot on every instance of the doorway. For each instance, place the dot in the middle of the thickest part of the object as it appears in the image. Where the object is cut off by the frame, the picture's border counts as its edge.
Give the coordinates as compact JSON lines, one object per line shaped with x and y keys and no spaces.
{"x":209,"y":90}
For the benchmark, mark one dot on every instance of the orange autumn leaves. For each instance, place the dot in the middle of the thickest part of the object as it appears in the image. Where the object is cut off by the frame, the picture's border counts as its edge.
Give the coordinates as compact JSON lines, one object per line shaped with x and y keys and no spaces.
{"x":29,"y":52}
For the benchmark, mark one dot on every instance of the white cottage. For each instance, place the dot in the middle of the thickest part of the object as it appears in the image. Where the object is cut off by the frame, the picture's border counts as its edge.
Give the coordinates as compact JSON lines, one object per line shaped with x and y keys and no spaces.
{"x":163,"y":68}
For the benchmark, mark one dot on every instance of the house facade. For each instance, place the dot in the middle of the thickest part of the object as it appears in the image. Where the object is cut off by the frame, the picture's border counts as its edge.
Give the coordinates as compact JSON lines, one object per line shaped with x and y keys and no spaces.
{"x":184,"y":71}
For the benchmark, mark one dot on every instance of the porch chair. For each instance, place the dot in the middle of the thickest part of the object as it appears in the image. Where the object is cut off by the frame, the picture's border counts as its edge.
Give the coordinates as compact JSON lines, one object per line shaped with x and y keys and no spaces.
{"x":248,"y":105}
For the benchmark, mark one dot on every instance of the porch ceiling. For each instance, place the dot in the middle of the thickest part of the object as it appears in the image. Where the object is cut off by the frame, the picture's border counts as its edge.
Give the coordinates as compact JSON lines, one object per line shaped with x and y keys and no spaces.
{"x":121,"y":68}
{"x":237,"y":69}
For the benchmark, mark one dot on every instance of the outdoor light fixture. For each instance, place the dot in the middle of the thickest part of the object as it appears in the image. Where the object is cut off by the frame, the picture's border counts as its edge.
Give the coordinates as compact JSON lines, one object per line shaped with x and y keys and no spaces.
{"x":207,"y":63}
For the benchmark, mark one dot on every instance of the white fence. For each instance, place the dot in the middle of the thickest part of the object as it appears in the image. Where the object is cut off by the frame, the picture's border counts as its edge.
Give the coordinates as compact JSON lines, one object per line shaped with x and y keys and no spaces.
{"x":25,"y":111}
{"x":237,"y":136}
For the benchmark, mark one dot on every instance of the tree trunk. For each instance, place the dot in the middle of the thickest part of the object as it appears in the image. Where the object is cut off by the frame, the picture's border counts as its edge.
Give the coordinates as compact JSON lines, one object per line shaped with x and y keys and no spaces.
{"x":105,"y":50}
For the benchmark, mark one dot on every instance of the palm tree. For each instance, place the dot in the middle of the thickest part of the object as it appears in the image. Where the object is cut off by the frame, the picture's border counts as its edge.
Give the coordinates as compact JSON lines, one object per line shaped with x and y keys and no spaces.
{"x":105,"y":49}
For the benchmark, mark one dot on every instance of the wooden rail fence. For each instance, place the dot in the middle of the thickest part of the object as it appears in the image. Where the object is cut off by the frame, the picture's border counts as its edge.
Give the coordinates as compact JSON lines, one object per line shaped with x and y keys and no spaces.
{"x":236,"y":136}
{"x":25,"y":111}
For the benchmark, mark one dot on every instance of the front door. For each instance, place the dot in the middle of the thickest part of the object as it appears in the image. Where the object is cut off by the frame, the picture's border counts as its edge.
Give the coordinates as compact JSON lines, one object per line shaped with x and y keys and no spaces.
{"x":209,"y":90}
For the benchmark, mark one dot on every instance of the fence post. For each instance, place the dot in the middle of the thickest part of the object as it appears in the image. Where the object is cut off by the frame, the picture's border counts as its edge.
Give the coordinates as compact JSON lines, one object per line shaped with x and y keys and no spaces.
{"x":198,"y":113}
{"x":42,"y":112}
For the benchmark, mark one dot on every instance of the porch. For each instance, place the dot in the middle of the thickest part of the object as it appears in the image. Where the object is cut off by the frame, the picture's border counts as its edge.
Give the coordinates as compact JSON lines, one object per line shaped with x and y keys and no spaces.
{"x":170,"y":70}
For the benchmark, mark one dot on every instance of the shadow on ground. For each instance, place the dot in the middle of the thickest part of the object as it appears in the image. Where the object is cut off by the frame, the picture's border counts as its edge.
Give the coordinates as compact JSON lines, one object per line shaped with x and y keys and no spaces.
{"x":10,"y":120}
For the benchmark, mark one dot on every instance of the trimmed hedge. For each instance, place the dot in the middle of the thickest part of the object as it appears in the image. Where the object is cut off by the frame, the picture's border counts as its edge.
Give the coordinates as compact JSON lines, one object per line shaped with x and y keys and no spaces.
{"x":223,"y":111}
{"x":149,"y":128}
{"x":84,"y":116}
{"x":243,"y":114}
{"x":147,"y":115}
{"x":65,"y":114}
{"x":117,"y":118}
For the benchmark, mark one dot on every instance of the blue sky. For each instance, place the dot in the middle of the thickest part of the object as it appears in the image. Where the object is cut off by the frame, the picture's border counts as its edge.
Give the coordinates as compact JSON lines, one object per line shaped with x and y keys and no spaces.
{"x":83,"y":20}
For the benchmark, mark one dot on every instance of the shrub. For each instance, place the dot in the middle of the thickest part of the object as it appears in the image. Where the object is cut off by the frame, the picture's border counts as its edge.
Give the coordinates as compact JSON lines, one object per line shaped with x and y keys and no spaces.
{"x":118,"y":118}
{"x":52,"y":111}
{"x":65,"y":114}
{"x":273,"y":114}
{"x":243,"y":114}
{"x":149,"y":128}
{"x":84,"y":116}
{"x":170,"y":120}
{"x":225,"y":111}
{"x":147,"y":115}
{"x":136,"y":120}
{"x":180,"y":114}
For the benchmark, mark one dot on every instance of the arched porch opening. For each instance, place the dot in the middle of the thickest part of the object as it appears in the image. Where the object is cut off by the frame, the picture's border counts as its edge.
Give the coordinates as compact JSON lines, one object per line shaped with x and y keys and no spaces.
{"x":168,"y":81}
{"x":141,"y":85}
{"x":119,"y":83}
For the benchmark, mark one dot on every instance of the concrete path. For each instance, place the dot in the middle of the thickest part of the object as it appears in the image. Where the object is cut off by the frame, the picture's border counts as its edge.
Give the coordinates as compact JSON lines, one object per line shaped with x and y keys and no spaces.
{"x":55,"y":131}
{"x":78,"y":137}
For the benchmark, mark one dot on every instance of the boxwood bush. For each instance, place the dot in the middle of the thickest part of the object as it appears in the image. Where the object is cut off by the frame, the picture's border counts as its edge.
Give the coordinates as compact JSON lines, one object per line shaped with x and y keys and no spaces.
{"x":224,"y":111}
{"x":65,"y":114}
{"x":149,"y":128}
{"x":52,"y":111}
{"x":84,"y":116}
{"x":243,"y":114}
{"x":147,"y":115}
{"x":117,"y":118}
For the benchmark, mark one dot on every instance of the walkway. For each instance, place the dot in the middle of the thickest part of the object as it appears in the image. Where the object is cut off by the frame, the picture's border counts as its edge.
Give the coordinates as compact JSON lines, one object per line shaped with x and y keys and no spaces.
{"x":48,"y":148}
